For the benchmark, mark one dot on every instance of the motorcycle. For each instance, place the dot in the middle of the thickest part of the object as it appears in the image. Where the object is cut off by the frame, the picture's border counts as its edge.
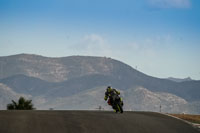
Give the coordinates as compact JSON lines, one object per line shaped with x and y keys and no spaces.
{"x":117,"y":104}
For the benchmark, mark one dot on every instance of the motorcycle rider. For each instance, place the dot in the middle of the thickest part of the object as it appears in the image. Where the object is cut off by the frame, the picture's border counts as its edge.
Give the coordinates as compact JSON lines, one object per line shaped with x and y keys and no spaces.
{"x":112,"y":94}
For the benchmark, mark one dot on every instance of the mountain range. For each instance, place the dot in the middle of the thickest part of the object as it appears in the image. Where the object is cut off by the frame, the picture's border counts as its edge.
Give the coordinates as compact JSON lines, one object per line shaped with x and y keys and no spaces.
{"x":79,"y":82}
{"x":179,"y":79}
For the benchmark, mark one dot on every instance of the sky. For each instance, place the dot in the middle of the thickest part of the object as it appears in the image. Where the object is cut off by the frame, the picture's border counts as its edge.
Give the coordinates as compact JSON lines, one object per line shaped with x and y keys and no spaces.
{"x":160,"y":38}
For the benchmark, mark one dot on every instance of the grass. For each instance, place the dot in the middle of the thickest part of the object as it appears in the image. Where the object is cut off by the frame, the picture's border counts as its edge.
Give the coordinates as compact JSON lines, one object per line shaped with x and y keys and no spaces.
{"x":187,"y":117}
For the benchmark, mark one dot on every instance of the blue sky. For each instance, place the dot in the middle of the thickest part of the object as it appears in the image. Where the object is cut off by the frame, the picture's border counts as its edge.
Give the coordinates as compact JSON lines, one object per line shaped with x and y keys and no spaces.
{"x":160,"y":37}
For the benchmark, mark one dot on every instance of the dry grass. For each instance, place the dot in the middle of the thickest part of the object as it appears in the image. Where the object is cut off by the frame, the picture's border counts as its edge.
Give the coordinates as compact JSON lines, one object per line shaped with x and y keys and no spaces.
{"x":190,"y":118}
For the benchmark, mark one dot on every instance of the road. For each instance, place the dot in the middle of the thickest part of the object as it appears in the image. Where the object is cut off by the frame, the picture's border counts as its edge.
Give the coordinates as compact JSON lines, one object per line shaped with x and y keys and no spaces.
{"x":90,"y":122}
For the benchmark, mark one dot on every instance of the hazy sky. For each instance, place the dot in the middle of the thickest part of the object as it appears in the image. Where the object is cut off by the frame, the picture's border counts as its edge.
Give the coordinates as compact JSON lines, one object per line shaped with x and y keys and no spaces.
{"x":160,"y":37}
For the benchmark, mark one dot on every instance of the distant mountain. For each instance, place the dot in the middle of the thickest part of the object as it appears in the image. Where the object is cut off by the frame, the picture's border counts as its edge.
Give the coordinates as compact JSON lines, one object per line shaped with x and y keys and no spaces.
{"x":136,"y":99}
{"x":27,"y":85}
{"x":7,"y":94}
{"x":180,"y":80}
{"x":60,"y":69}
{"x":56,"y":82}
{"x":142,"y":99}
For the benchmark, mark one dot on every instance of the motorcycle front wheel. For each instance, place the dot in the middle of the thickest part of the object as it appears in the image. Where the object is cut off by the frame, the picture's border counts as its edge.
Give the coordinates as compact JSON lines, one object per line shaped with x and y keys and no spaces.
{"x":119,"y":107}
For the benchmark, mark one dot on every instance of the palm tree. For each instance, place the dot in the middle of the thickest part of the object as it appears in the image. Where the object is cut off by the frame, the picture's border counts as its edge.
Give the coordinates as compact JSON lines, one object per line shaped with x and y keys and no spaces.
{"x":22,"y":104}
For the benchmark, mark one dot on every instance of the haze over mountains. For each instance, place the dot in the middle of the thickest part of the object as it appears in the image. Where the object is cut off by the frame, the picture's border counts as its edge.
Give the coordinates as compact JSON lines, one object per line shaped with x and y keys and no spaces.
{"x":79,"y":82}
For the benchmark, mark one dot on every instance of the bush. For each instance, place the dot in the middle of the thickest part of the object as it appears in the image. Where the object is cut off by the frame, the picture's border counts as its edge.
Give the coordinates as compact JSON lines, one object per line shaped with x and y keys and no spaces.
{"x":22,"y":104}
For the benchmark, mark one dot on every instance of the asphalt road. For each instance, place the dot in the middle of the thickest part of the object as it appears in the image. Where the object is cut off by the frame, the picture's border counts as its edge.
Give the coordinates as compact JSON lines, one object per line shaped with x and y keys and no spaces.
{"x":90,"y":122}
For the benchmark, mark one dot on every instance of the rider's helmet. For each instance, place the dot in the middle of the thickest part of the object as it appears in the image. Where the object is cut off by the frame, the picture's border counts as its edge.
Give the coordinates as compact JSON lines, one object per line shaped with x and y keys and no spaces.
{"x":109,"y":88}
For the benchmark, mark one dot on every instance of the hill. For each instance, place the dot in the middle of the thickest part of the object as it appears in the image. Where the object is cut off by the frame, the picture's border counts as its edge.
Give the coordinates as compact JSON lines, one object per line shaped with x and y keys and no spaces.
{"x":52,"y":82}
{"x":180,"y":80}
